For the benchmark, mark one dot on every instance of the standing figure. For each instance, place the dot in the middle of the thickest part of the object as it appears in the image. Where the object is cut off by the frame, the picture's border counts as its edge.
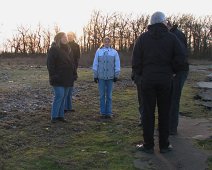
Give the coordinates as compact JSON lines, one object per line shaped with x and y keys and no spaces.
{"x":76,"y":56}
{"x":157,"y":54}
{"x":61,"y":74}
{"x":106,"y":68}
{"x":178,"y":81}
{"x":138,"y":81}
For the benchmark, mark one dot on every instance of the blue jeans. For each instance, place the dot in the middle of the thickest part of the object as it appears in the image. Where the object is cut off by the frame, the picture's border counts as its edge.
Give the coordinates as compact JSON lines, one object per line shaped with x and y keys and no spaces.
{"x":68,"y":101}
{"x":60,"y":94}
{"x":177,"y":86}
{"x":105,"y":91}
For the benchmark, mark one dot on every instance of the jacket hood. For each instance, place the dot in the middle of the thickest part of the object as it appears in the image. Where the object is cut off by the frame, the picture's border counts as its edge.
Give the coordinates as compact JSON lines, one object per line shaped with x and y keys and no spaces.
{"x":157,"y":31}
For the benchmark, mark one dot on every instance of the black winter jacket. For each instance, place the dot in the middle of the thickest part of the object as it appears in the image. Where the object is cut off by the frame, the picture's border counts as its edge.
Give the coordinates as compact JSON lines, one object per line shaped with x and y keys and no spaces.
{"x":181,"y":36}
{"x":157,"y":54}
{"x":76,"y":52}
{"x":60,"y":65}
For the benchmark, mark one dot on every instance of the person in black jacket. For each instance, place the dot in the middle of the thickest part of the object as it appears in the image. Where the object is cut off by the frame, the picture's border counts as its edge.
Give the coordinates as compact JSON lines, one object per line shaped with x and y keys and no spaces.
{"x":157,"y":54}
{"x":76,"y":56}
{"x":178,"y":81}
{"x":61,"y":74}
{"x":138,"y":81}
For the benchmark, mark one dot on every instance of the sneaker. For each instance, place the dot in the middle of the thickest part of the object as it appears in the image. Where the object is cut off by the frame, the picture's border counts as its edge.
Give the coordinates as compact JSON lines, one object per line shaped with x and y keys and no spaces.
{"x":72,"y":110}
{"x":108,"y":116}
{"x":62,"y":119}
{"x":168,"y":149}
{"x":142,"y":148}
{"x":102,"y":115}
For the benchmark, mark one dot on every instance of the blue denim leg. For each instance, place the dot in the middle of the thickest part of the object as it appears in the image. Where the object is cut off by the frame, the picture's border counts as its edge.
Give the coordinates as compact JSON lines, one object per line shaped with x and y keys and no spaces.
{"x":102,"y":84}
{"x":68,"y":101}
{"x":61,"y":112}
{"x":109,"y":89}
{"x":58,"y":103}
{"x":178,"y":83}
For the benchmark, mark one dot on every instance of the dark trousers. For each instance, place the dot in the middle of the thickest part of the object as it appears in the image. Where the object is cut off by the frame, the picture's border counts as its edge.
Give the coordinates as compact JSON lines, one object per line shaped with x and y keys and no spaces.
{"x":140,"y":101}
{"x":177,"y":86}
{"x":156,"y":92}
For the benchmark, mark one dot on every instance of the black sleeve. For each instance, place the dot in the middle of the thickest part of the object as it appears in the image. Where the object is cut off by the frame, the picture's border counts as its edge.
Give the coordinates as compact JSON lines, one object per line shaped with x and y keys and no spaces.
{"x":137,"y":58}
{"x":179,"y":59}
{"x":77,"y":56}
{"x":51,"y":60}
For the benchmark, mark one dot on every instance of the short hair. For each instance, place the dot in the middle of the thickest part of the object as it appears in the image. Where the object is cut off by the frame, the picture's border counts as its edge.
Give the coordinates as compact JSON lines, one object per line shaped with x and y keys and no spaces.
{"x":106,"y":38}
{"x":157,"y":17}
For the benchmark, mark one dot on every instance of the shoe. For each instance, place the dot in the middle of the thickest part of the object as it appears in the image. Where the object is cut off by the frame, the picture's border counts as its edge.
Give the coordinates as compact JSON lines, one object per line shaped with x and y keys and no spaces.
{"x":62,"y":119}
{"x":102,"y":115}
{"x":142,"y":148}
{"x":108,"y":116}
{"x":72,"y":110}
{"x":165,"y":150}
{"x":53,"y":120}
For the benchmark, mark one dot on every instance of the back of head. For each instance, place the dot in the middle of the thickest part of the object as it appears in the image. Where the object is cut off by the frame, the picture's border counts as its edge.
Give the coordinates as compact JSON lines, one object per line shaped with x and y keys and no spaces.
{"x":157,"y":17}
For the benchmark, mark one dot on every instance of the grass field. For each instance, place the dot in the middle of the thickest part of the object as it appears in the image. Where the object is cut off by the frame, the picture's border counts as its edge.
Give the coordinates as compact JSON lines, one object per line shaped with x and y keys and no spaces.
{"x":30,"y":141}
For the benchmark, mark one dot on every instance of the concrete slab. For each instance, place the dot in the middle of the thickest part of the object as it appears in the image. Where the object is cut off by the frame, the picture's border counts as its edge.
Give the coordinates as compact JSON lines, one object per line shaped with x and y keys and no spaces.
{"x":205,"y":85}
{"x":209,"y":77}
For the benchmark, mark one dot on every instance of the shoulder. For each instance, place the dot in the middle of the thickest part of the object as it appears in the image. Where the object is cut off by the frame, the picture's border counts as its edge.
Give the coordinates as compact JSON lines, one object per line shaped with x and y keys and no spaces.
{"x":171,"y":35}
{"x":98,"y":50}
{"x":75,"y":45}
{"x":53,"y":49}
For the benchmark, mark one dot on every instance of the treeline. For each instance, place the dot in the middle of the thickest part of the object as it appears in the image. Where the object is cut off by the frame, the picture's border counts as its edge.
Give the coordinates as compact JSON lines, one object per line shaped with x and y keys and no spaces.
{"x":123,"y":29}
{"x":30,"y":41}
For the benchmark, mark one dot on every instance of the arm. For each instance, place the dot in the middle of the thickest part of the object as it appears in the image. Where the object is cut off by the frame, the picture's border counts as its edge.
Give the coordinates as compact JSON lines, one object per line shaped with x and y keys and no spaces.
{"x":137,"y":58}
{"x":51,"y":63}
{"x":179,"y":58}
{"x":117,"y":65}
{"x":77,"y":56}
{"x":95,"y":64}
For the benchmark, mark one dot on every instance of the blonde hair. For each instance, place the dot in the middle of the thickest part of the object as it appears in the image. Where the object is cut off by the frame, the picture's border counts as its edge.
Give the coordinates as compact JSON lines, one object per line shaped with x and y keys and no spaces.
{"x":71,"y":34}
{"x":58,"y":37}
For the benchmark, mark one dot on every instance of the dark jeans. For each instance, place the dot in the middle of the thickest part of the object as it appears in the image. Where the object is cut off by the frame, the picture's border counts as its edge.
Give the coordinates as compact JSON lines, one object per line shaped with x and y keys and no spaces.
{"x":140,"y":101}
{"x":156,"y":92}
{"x":177,"y":86}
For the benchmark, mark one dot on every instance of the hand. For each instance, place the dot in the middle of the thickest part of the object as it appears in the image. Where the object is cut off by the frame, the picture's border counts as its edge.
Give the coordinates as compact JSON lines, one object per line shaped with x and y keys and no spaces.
{"x":115,"y":79}
{"x":96,"y":80}
{"x":75,"y":77}
{"x":133,"y":77}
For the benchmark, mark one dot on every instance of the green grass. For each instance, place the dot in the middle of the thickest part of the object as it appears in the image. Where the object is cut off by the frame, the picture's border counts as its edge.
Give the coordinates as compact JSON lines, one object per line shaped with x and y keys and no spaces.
{"x":205,"y":144}
{"x":209,"y":161}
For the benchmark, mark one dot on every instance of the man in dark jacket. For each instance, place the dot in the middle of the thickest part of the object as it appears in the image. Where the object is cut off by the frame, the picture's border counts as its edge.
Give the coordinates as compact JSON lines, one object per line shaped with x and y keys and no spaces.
{"x":157,"y":55}
{"x":178,"y":82}
{"x":75,"y":49}
{"x":138,"y":81}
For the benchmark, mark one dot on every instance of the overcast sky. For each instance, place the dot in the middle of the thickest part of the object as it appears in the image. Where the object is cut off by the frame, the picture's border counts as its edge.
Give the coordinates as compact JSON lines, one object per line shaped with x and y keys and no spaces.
{"x":72,"y":15}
